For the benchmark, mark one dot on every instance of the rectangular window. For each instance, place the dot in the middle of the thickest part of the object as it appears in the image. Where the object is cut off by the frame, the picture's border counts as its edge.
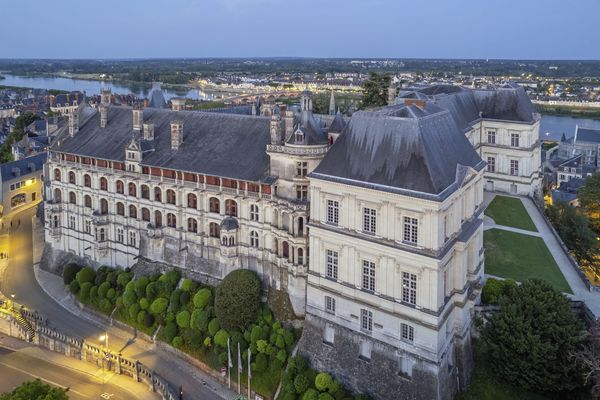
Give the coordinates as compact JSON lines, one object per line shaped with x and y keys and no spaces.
{"x":88,"y":226}
{"x":369,"y":220}
{"x":132,"y":239}
{"x":491,"y":137}
{"x":330,"y":304}
{"x":409,"y":288}
{"x":72,"y":222}
{"x":332,"y":264}
{"x":411,"y":230}
{"x":301,"y":168}
{"x":366,"y":320}
{"x":514,"y":167}
{"x":514,"y":139}
{"x":491,"y":164}
{"x":368,"y":275}
{"x":333,"y":212}
{"x":120,"y":235}
{"x":33,"y":196}
{"x":407,"y":333}
{"x":302,"y":192}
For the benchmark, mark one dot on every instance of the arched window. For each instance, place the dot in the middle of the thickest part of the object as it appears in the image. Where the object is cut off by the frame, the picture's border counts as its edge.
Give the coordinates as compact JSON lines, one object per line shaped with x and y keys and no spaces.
{"x":300,"y":226}
{"x":224,"y":240}
{"x":132,"y":211}
{"x":254,"y":212}
{"x":276,"y":246}
{"x":231,"y":241}
{"x":57,"y":195}
{"x":157,"y":219}
{"x":55,"y":219}
{"x":57,"y":174}
{"x":231,"y":208}
{"x":120,"y":209}
{"x":192,"y":225}
{"x":286,"y":250}
{"x":120,"y":187}
{"x":87,"y":200}
{"x":72,"y":177}
{"x":72,"y":198}
{"x":214,"y":230}
{"x":145,"y":192}
{"x":214,"y":205}
{"x":145,"y":214}
{"x":300,"y":256}
{"x":103,"y":184}
{"x":103,"y":206}
{"x":87,"y":180}
{"x":192,"y":201}
{"x":157,"y":194}
{"x":254,"y":239}
{"x":171,"y":220}
{"x":132,"y":189}
{"x":171,"y":198}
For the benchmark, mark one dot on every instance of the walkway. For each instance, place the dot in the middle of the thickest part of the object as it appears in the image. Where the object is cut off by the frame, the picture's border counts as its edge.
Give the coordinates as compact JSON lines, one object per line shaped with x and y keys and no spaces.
{"x":580,"y":290}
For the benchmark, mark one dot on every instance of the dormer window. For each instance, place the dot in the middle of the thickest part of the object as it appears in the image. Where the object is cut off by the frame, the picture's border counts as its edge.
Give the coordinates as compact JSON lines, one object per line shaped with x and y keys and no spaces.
{"x":299,"y":137}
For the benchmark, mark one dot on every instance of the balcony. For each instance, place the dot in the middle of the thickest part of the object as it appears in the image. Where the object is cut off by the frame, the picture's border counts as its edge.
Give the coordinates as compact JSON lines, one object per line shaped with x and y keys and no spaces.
{"x":100,"y":219}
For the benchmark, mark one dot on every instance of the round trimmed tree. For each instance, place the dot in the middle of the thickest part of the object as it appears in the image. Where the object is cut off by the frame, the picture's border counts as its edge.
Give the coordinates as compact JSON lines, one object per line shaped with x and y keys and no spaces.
{"x":237,"y":299}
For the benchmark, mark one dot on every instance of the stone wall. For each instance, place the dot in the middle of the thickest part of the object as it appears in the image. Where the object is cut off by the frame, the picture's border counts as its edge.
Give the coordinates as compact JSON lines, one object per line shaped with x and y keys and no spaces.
{"x":54,"y":260}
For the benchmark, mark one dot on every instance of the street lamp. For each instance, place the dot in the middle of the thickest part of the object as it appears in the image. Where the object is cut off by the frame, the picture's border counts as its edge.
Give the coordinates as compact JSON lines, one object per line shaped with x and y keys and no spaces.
{"x":105,"y":339}
{"x":12,"y":303}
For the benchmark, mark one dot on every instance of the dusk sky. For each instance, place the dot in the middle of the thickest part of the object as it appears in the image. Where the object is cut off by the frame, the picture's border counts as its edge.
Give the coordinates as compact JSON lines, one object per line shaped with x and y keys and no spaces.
{"x":517,"y":29}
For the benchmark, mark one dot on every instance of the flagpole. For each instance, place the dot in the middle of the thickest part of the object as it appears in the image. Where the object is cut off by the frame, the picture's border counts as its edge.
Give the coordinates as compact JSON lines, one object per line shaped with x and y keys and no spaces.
{"x":228,"y":364}
{"x":249,"y":373}
{"x":239,"y":370}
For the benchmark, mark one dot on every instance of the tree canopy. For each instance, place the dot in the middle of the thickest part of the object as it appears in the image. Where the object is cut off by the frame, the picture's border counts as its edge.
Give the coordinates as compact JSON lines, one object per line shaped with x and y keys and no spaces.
{"x":237,"y":299}
{"x":21,"y":123}
{"x":35,"y":390}
{"x":375,"y":90}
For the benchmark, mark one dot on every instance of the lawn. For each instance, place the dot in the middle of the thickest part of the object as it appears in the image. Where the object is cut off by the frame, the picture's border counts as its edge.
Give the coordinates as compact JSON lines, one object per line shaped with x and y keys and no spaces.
{"x":509,"y":211}
{"x":519,"y":257}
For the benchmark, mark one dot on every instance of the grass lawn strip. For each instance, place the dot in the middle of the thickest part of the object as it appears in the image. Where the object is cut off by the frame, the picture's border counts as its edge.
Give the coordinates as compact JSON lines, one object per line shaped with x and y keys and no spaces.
{"x":510,"y":211}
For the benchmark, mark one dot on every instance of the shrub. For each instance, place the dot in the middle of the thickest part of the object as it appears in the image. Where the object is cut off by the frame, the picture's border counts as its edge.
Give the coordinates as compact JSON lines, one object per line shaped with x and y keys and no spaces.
{"x":106,"y":305}
{"x":84,"y":292}
{"x":361,"y":397}
{"x":335,"y":387}
{"x":148,"y":320}
{"x":261,"y":346}
{"x":281,"y":356}
{"x":494,"y":288}
{"x":87,"y":274}
{"x":69,"y":272}
{"x":237,"y":299}
{"x":173,"y":277}
{"x":170,"y":316}
{"x":169,"y":331}
{"x":103,"y":289}
{"x":159,"y":306}
{"x":144,"y":303}
{"x":256,"y":334}
{"x":221,"y":338}
{"x":192,"y":337}
{"x":100,"y":276}
{"x":183,"y":319}
{"x":288,"y":337}
{"x":174,"y":299}
{"x":261,"y":362}
{"x":151,"y":291}
{"x":140,"y":286}
{"x":236,"y":338}
{"x":177,"y":341}
{"x":322,"y":381}
{"x":280,"y":342}
{"x":133,"y":311}
{"x":223,"y":358}
{"x":74,"y":287}
{"x":129,"y":298}
{"x":187,"y":285}
{"x":267,"y":315}
{"x":93,"y":293}
{"x":184,"y":299}
{"x":297,"y":365}
{"x":325,"y":396}
{"x":214,"y":326}
{"x":111,"y":294}
{"x":123,"y":279}
{"x":301,"y":384}
{"x":207,"y":342}
{"x":202,"y":298}
{"x":310,"y":394}
{"x":199,"y":320}
{"x":112,"y":278}
{"x":275,"y":366}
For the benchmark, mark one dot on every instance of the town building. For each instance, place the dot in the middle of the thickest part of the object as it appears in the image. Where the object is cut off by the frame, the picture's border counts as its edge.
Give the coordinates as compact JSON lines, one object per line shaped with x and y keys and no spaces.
{"x":21,"y":182}
{"x":585,"y":141}
{"x":574,"y":167}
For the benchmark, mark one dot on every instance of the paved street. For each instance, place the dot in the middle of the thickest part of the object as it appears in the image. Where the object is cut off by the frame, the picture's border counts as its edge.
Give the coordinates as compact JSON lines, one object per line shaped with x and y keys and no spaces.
{"x":19,"y":279}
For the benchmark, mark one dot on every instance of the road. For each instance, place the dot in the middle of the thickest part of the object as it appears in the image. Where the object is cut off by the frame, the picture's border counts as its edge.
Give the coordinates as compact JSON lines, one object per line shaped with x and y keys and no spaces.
{"x":19,"y":279}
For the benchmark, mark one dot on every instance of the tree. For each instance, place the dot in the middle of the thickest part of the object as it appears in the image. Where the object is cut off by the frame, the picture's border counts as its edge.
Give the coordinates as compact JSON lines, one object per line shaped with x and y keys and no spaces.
{"x":21,"y":123}
{"x":35,"y":390}
{"x":237,"y":299}
{"x":375,"y":90}
{"x":589,"y":196}
{"x":529,"y":342}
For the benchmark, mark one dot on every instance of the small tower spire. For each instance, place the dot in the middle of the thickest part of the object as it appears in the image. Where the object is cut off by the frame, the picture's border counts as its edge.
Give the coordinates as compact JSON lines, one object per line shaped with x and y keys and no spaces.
{"x":332,"y":104}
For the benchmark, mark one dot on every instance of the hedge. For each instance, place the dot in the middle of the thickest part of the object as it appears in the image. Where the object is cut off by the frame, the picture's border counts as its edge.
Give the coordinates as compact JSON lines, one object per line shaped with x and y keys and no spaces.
{"x":69,"y":272}
{"x":237,"y":299}
{"x":183,"y":319}
{"x":202,"y":298}
{"x":87,"y":274}
{"x":159,"y":306}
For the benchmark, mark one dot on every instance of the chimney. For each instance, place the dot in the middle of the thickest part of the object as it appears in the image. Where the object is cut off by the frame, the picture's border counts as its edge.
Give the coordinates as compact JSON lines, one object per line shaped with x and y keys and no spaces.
{"x":289,"y":123}
{"x":148,"y":131}
{"x":105,"y":96}
{"x":178,"y":104}
{"x":73,"y":123}
{"x":138,"y":118}
{"x":276,"y":129}
{"x":391,"y":95}
{"x":103,"y":115}
{"x":176,"y":134}
{"x":253,"y":109}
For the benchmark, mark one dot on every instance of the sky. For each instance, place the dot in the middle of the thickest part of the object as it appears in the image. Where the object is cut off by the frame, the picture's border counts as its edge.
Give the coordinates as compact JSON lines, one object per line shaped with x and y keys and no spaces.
{"x":495,"y":29}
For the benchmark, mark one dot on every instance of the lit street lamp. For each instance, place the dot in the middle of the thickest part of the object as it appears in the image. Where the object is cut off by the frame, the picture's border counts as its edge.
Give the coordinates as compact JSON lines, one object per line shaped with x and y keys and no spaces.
{"x":12,"y":303}
{"x":104,"y":338}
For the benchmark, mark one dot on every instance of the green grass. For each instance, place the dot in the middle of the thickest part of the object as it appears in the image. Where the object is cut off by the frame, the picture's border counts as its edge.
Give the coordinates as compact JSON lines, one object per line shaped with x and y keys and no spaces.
{"x":520,"y":257}
{"x":509,"y":211}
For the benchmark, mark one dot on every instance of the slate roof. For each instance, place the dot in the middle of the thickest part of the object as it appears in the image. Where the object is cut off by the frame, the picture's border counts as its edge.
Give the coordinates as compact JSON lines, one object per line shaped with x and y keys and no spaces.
{"x":572,"y":162}
{"x":229,"y":224}
{"x":338,"y":123}
{"x":227,"y":145}
{"x":401,"y":148}
{"x":587,"y":135}
{"x":7,"y":170}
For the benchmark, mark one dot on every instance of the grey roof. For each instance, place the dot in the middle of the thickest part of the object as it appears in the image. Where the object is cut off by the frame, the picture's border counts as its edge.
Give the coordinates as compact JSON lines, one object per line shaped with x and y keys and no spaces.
{"x":22,"y":167}
{"x":338,"y":123}
{"x":229,"y":224}
{"x":313,"y":131}
{"x":401,"y":147}
{"x":587,"y":135}
{"x":573,"y":161}
{"x":225,"y":145}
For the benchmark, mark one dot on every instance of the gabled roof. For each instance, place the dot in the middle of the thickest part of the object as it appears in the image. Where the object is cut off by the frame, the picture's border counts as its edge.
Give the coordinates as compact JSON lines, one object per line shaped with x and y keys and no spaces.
{"x":588,"y":135}
{"x":22,"y":167}
{"x":338,"y":123}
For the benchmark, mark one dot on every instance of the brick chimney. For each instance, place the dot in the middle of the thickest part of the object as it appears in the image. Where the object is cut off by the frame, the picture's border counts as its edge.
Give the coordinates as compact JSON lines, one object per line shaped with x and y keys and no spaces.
{"x":103,"y":115}
{"x":138,"y":118}
{"x":148,"y":131}
{"x":178,"y":104}
{"x":176,"y":134}
{"x":105,"y":97}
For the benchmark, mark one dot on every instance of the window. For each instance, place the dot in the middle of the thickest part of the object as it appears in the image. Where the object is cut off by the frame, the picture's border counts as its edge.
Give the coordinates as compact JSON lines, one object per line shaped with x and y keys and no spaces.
{"x":72,"y":222}
{"x":87,"y":200}
{"x":171,"y":220}
{"x":57,"y":195}
{"x":514,"y":139}
{"x":409,"y":288}
{"x":491,"y":137}
{"x":299,"y":137}
{"x":120,"y":235}
{"x":132,"y":189}
{"x":369,"y":220}
{"x":102,"y":237}
{"x":132,"y":211}
{"x":214,"y":230}
{"x":302,"y":192}
{"x":103,"y":206}
{"x":330,"y":304}
{"x":145,"y":214}
{"x":192,"y":225}
{"x":368,"y":275}
{"x":366,"y":320}
{"x":132,"y":239}
{"x":72,"y":177}
{"x":253,"y":239}
{"x":120,"y":187}
{"x":301,"y":168}
{"x":57,"y":174}
{"x":411,"y":230}
{"x":103,"y":184}
{"x":214,"y":205}
{"x":55,"y":219}
{"x":87,"y":181}
{"x":157,"y":194}
{"x":145,"y":192}
{"x":192,"y":201}
{"x":491,"y":164}
{"x":514,"y":167}
{"x":254,"y":212}
{"x":33,"y":196}
{"x":333,"y":212}
{"x":171,"y":198}
{"x":407,"y":332}
{"x":120,"y":209}
{"x":88,"y":226}
{"x":72,"y":198}
{"x":231,"y":208}
{"x":157,"y":219}
{"x":300,"y":256}
{"x":332,"y":264}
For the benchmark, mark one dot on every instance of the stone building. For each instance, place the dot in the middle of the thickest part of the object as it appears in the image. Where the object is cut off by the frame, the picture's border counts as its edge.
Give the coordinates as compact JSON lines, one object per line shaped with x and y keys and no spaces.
{"x":585,"y":142}
{"x":21,"y":185}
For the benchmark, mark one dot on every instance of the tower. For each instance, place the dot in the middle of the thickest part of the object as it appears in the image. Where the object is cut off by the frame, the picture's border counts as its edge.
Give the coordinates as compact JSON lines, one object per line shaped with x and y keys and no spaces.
{"x":332,"y":104}
{"x":105,"y":95}
{"x":276,"y":137}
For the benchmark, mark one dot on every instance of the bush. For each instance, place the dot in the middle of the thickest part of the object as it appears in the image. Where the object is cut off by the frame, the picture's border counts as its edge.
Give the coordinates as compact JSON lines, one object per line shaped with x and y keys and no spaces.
{"x":141,"y":316}
{"x":177,"y":341}
{"x":281,"y":356}
{"x":237,"y":299}
{"x":144,"y":303}
{"x":207,"y":342}
{"x":174,"y":300}
{"x":223,"y":358}
{"x":140,"y":286}
{"x":301,"y":384}
{"x":169,"y":331}
{"x":151,"y":291}
{"x":87,"y":274}
{"x":183,"y":319}
{"x":184,"y":299}
{"x":111,"y":294}
{"x":148,"y":320}
{"x":103,"y":289}
{"x":170,"y":317}
{"x":159,"y":306}
{"x":133,"y":311}
{"x":112,"y":278}
{"x":221,"y":338}
{"x":74,"y":287}
{"x":187,"y":285}
{"x":280,"y":342}
{"x":494,"y":288}
{"x":172,"y":277}
{"x":199,"y":320}
{"x":214,"y":326}
{"x":297,"y":365}
{"x":325,"y":396}
{"x":93,"y":292}
{"x":323,"y":381}
{"x":129,"y":298}
{"x":256,"y":334}
{"x":261,"y":362}
{"x":84,"y":292}
{"x":69,"y":272}
{"x":123,"y":279}
{"x":202,"y":298}
{"x":335,"y":387}
{"x":288,"y":337}
{"x":310,"y":394}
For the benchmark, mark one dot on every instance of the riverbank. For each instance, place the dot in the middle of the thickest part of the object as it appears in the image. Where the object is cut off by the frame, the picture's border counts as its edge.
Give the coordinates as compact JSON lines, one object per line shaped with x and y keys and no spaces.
{"x":568,"y":111}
